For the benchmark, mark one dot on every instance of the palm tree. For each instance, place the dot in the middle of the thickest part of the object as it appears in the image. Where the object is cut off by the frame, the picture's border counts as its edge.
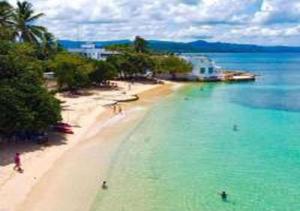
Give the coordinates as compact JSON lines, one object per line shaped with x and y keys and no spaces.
{"x":140,"y":45}
{"x":49,"y":45}
{"x":5,"y":14}
{"x":23,"y":19}
{"x":6,"y":23}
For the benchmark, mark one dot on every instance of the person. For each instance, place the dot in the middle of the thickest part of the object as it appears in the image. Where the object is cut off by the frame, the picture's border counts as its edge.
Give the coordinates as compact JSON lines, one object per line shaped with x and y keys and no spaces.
{"x":104,"y":186}
{"x":120,"y":109}
{"x":224,"y":195}
{"x":115,"y":108}
{"x":17,"y":160}
{"x":235,"y":128}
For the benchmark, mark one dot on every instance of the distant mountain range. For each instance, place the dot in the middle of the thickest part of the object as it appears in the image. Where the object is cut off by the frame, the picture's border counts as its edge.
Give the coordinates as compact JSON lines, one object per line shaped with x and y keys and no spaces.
{"x":191,"y":47}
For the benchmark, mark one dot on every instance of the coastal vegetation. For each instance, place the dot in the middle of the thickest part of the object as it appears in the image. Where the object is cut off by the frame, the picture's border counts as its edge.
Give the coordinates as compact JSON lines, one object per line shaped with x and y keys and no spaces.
{"x":26,"y":107}
{"x":28,"y":50}
{"x":137,"y":58}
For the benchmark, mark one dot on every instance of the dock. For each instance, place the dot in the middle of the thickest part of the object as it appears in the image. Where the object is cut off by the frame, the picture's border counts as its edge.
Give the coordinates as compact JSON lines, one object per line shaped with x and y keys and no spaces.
{"x":236,"y":76}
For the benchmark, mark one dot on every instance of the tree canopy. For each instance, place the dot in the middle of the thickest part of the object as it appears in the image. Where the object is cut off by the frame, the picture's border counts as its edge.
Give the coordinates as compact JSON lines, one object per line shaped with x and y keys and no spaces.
{"x":102,"y":72}
{"x":171,"y":64}
{"x":26,"y":106}
{"x":72,"y":71}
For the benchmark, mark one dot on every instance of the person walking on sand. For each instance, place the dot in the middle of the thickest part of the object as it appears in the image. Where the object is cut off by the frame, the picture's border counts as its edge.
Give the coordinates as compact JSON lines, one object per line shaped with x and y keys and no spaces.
{"x":104,"y":185}
{"x":115,"y":108}
{"x":120,"y":110}
{"x":17,"y":160}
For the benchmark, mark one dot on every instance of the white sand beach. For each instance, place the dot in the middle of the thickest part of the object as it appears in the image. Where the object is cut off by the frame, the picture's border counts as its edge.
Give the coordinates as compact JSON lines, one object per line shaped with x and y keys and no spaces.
{"x":52,"y":174}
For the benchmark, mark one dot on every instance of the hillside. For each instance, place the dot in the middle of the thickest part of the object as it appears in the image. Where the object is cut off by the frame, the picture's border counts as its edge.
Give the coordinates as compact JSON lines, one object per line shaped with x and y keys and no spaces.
{"x":191,"y":47}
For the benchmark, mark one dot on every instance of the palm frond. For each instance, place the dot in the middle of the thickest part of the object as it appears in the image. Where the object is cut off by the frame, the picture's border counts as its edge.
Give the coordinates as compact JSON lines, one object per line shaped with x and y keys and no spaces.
{"x":35,"y":17}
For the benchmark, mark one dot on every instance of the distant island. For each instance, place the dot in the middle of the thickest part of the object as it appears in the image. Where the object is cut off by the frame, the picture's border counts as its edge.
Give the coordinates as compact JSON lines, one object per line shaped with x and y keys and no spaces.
{"x":193,"y":47}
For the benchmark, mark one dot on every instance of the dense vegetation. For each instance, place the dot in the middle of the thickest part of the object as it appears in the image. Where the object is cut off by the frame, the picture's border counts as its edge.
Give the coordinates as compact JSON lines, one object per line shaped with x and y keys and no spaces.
{"x":138,"y":59}
{"x":28,"y":50}
{"x":26,"y":105}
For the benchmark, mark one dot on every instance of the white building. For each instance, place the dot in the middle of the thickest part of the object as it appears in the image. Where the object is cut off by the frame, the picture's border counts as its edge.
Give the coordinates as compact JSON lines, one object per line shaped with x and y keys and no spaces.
{"x":204,"y":69}
{"x":90,"y":50}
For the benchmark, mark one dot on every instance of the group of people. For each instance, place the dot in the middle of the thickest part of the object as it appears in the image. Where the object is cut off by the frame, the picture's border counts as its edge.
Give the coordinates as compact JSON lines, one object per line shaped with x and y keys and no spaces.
{"x":117,"y":109}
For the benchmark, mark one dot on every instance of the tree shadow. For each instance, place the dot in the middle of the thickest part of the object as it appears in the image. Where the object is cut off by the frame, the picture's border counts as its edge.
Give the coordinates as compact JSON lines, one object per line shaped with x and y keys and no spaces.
{"x":9,"y":148}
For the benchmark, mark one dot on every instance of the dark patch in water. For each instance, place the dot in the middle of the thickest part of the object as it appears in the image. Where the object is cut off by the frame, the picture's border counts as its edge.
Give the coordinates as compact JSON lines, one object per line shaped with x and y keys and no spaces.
{"x":285,"y":100}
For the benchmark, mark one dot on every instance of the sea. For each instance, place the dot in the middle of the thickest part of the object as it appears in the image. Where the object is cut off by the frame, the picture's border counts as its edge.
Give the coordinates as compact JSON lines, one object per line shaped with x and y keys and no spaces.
{"x":241,"y":138}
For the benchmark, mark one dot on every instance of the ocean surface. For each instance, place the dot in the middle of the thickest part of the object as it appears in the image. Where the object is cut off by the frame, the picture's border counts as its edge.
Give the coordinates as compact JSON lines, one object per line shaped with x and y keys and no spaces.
{"x":185,"y":151}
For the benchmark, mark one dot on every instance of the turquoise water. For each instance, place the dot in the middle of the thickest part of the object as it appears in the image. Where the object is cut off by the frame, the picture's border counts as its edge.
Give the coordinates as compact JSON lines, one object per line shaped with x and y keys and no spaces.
{"x":185,"y":151}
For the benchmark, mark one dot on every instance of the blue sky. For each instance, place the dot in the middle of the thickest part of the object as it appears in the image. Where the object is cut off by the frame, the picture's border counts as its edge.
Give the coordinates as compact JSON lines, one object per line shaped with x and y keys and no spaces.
{"x":267,"y":22}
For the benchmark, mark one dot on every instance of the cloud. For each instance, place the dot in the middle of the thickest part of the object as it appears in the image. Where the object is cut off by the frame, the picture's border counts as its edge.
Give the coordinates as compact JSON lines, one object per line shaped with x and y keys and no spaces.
{"x":278,"y":12}
{"x":180,"y":20}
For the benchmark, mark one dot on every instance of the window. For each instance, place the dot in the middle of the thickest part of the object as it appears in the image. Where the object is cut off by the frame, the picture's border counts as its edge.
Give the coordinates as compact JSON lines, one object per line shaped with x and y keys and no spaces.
{"x":202,"y":70}
{"x":210,"y":70}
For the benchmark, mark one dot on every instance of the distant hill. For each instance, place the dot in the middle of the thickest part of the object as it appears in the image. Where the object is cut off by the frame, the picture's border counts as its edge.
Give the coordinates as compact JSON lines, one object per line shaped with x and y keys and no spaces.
{"x":191,"y":47}
{"x":76,"y":44}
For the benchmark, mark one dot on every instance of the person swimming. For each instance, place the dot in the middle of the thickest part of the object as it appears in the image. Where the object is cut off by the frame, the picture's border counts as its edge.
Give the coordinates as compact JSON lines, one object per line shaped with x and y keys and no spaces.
{"x":224,"y":195}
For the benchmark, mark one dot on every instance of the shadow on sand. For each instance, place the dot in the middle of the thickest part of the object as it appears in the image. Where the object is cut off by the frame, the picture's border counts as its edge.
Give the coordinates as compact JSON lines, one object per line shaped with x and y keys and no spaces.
{"x":9,"y":148}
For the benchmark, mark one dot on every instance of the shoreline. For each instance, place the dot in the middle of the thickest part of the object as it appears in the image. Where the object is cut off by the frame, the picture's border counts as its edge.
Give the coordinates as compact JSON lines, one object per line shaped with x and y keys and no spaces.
{"x":96,"y":122}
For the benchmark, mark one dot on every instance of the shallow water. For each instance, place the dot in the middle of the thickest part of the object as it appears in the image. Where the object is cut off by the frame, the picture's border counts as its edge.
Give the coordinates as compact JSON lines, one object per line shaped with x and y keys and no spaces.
{"x":185,"y":150}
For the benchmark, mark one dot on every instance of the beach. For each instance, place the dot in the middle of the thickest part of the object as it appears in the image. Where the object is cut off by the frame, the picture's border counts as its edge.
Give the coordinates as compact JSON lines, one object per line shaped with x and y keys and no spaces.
{"x":52,"y":174}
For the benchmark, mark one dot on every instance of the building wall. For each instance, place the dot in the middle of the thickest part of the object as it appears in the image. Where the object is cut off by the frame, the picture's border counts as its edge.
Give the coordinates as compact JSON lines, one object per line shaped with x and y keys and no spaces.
{"x":93,"y":53}
{"x":204,"y":68}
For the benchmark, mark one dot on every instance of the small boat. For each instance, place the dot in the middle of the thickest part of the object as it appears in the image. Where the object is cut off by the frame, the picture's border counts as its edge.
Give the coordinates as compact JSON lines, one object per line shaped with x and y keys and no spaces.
{"x":246,"y":77}
{"x":63,"y":130}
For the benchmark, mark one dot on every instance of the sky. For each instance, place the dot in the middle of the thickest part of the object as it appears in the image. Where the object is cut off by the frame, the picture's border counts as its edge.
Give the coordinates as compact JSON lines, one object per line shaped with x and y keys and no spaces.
{"x":264,"y":22}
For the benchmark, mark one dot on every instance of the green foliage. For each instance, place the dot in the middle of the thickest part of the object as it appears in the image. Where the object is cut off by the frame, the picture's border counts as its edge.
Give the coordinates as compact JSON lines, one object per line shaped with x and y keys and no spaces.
{"x":140,"y":45}
{"x":131,"y":64}
{"x":122,"y":48}
{"x":23,"y":17}
{"x":18,"y":62}
{"x":103,"y":71}
{"x":26,"y":106}
{"x":72,"y":71}
{"x":16,"y":24}
{"x":171,"y":64}
{"x":6,"y":12}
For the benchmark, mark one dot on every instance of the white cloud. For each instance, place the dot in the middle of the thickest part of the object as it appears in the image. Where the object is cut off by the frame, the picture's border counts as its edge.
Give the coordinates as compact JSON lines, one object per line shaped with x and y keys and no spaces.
{"x":278,"y":11}
{"x":253,"y":21}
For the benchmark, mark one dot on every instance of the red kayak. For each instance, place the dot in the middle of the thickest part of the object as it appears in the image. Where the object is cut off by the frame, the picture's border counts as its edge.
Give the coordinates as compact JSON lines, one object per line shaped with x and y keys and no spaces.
{"x":63,"y":129}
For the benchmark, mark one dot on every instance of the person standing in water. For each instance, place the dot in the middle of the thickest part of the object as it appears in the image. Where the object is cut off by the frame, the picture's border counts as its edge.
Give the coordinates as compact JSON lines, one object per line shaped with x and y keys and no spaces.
{"x":224,"y":195}
{"x":235,"y":128}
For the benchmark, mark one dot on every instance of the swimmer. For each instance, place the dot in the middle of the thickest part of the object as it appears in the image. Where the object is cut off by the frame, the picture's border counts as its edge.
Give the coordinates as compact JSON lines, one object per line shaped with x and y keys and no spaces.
{"x":235,"y":128}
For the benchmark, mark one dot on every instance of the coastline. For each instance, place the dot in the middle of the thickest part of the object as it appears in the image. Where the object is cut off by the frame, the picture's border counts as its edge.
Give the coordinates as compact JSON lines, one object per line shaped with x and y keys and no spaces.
{"x":50,"y":164}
